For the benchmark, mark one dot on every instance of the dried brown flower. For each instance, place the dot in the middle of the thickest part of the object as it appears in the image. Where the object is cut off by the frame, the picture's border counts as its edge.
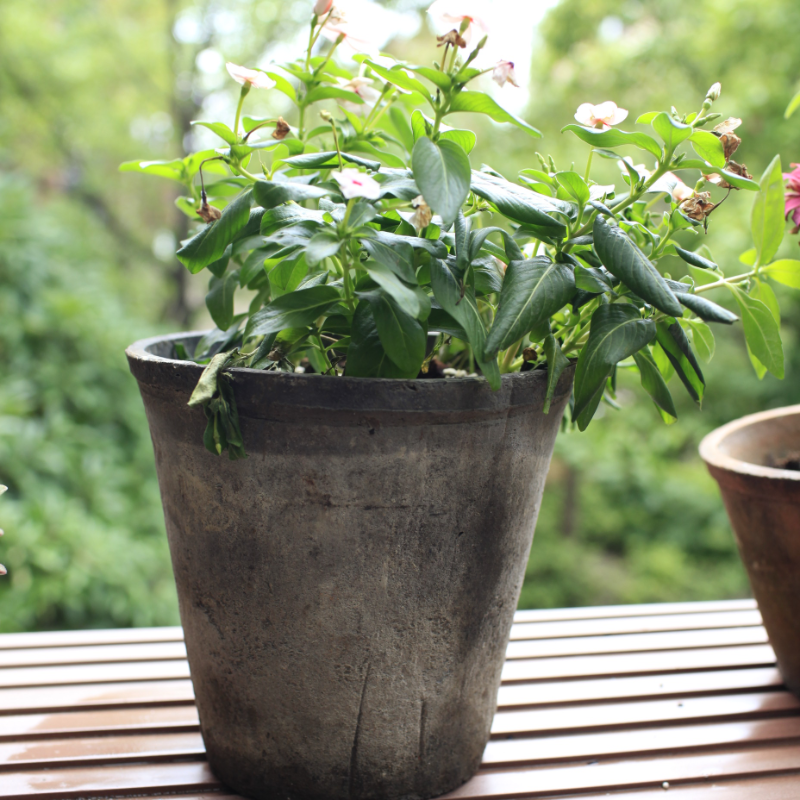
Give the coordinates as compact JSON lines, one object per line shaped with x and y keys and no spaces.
{"x":282,"y":129}
{"x":730,"y":141}
{"x":731,"y":166}
{"x":422,"y":213}
{"x":698,"y":207}
{"x":530,"y":354}
{"x":453,"y":37}
{"x":209,"y":213}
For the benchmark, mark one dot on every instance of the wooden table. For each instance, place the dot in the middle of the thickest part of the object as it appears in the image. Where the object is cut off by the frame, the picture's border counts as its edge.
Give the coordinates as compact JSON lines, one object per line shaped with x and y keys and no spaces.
{"x":629,"y":701}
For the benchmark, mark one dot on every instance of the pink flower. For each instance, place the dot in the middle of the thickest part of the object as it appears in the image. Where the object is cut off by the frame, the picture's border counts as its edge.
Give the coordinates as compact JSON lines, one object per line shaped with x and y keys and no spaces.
{"x":453,"y":13}
{"x":357,"y":184}
{"x":322,"y":7}
{"x":249,"y":77}
{"x":504,"y":73}
{"x":364,"y":89}
{"x":602,"y":116}
{"x":793,"y":196}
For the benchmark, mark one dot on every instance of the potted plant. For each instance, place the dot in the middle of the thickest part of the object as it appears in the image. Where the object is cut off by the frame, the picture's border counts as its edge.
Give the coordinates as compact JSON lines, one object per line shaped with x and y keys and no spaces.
{"x":756,"y":461}
{"x":390,"y":398}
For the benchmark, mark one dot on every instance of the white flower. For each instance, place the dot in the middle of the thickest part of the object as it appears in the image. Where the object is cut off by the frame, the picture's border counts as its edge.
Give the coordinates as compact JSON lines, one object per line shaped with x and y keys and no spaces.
{"x":249,"y":77}
{"x":353,"y":30}
{"x":364,"y":89}
{"x":322,"y":7}
{"x":602,"y":116}
{"x":452,"y":13}
{"x":504,"y":73}
{"x":357,"y":184}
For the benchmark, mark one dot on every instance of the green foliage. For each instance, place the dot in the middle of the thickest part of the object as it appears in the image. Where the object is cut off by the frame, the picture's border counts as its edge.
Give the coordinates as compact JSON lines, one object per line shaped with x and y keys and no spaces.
{"x":84,"y":541}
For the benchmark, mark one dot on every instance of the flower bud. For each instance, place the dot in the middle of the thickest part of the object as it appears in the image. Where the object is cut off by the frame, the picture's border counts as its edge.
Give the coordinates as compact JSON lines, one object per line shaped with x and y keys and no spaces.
{"x":322,"y":7}
{"x":714,"y":92}
{"x":326,"y":115}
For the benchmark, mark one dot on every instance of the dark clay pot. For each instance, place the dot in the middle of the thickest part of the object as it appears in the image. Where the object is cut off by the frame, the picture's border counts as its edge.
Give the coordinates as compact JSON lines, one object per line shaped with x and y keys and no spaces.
{"x":347,"y":591}
{"x":763,"y":503}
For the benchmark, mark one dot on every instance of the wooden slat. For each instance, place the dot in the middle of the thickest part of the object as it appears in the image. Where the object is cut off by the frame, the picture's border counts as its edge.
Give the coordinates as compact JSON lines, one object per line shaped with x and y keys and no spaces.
{"x":12,"y":641}
{"x":637,"y":642}
{"x":645,"y":610}
{"x":636,"y":743}
{"x":97,"y":654}
{"x":119,"y":779}
{"x":630,"y":774}
{"x":87,"y":750}
{"x":538,"y":669}
{"x":655,"y":712}
{"x":763,"y":788}
{"x":650,"y":624}
{"x":110,"y":695}
{"x":157,"y":719}
{"x":94,"y":673}
{"x":687,"y":684}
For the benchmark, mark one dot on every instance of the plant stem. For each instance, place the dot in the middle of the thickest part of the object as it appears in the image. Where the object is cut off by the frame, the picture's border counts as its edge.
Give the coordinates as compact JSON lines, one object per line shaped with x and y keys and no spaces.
{"x":245,"y":91}
{"x":589,"y":165}
{"x":348,"y":284}
{"x":725,"y":281}
{"x":509,"y":357}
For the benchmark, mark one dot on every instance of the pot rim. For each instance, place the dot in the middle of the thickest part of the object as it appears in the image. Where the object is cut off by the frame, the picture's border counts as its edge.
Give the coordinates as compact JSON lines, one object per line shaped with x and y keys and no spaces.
{"x":712,"y":454}
{"x":431,"y":398}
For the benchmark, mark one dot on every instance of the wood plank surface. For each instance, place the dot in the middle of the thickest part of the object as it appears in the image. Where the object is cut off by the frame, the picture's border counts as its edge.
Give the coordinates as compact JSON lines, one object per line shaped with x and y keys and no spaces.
{"x":621,"y":702}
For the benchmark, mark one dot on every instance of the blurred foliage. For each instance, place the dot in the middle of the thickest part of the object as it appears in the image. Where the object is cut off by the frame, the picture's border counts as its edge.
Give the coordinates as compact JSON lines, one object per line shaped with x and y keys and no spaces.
{"x":629,"y":514}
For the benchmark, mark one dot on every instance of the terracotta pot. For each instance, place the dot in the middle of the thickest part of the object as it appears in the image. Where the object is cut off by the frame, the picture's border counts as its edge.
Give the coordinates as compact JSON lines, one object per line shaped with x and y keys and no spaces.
{"x":763,"y":503}
{"x":347,"y":591}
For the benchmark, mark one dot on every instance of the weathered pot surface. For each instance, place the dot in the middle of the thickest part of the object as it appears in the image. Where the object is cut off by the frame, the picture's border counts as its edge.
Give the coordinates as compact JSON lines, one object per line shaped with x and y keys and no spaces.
{"x":347,"y":590}
{"x":763,"y":503}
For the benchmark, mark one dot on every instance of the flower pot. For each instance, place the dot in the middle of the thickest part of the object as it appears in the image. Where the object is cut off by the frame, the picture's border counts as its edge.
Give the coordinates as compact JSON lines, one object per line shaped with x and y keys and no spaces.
{"x":347,"y":591}
{"x":763,"y":503}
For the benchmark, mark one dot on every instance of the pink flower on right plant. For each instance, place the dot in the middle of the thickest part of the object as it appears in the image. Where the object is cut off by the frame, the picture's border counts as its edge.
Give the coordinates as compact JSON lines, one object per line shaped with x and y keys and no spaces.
{"x":601,"y":116}
{"x":793,"y":196}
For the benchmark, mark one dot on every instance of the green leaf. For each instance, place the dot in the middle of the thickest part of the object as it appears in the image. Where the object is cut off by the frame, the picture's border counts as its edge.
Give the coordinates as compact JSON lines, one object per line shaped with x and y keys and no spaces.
{"x":282,"y":85}
{"x":328,"y":159}
{"x":269,"y":194}
{"x":440,"y":321}
{"x":695,"y":259}
{"x":433,"y":246}
{"x":793,"y":106}
{"x":647,"y":117}
{"x":676,"y":347}
{"x":655,"y":385}
{"x":614,"y":138}
{"x":293,"y":310}
{"x":464,"y":139}
{"x":767,"y":221}
{"x":734,"y":180}
{"x":480,"y":103}
{"x":463,"y":308}
{"x":708,"y":147}
{"x":222,"y":130}
{"x":209,"y":245}
{"x":400,"y":78}
{"x":557,"y":362}
{"x":442,"y":172}
{"x":785,"y":271}
{"x":590,"y":279}
{"x":440,"y":79}
{"x":765,"y":293}
{"x":478,"y":241}
{"x":748,"y":258}
{"x":533,"y":290}
{"x":403,"y":295}
{"x":420,"y":126}
{"x":623,"y":259}
{"x":329,"y":92}
{"x":399,"y":258}
{"x":219,"y":299}
{"x":759,"y":368}
{"x":702,"y":337}
{"x":617,"y":331}
{"x":522,"y":205}
{"x":402,"y":337}
{"x":575,"y":186}
{"x":705,"y":309}
{"x":402,"y":127}
{"x":174,"y":170}
{"x":323,"y":245}
{"x":672,"y":132}
{"x":366,"y":357}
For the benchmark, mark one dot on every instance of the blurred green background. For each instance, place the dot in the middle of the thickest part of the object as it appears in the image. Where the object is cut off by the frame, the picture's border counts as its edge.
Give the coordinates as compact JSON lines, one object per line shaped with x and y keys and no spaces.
{"x":86,"y":267}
